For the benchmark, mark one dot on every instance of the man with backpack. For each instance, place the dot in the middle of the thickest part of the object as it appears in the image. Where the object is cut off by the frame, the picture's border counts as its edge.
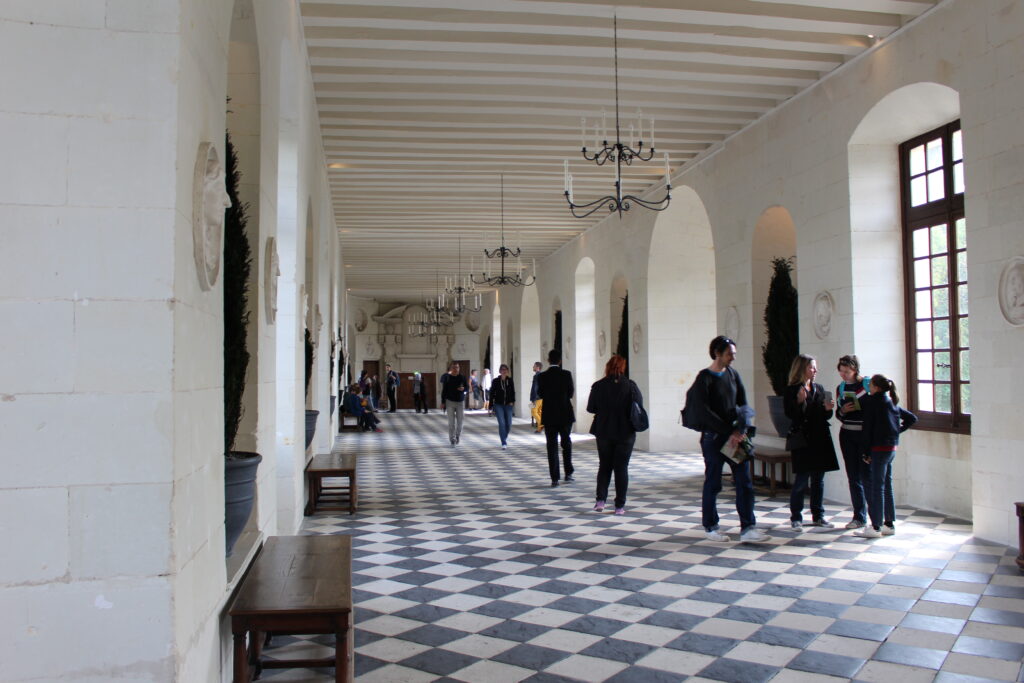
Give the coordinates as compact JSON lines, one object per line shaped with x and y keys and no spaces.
{"x":716,"y":406}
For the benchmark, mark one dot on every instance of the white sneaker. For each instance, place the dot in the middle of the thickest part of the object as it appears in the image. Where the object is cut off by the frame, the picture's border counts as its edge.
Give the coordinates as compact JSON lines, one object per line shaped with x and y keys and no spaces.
{"x":854,"y":524}
{"x":753,"y":535}
{"x":887,"y":530}
{"x":797,"y":526}
{"x":717,"y":536}
{"x":868,"y":532}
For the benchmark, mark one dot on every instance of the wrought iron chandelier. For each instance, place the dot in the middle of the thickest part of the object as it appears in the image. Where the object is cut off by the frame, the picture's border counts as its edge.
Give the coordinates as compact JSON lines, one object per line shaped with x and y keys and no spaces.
{"x":514,"y":276}
{"x":618,"y":153}
{"x":439,"y":312}
{"x":456,"y":287}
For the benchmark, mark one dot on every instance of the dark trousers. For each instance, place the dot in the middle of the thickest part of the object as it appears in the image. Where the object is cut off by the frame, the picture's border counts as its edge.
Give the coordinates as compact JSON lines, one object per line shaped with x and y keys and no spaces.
{"x":710,"y":445}
{"x":392,"y":399}
{"x":881,"y":503}
{"x":420,"y":402}
{"x":858,"y":473}
{"x":801,"y":481}
{"x":554,"y":433}
{"x":613,"y":455}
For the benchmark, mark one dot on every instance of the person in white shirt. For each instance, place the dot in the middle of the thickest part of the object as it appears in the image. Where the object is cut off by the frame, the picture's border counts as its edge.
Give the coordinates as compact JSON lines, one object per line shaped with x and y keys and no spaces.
{"x":485,"y":384}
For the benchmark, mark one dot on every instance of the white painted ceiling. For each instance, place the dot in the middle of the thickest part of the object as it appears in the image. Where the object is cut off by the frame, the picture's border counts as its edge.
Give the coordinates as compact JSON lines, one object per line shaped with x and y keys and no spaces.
{"x":424,"y":103}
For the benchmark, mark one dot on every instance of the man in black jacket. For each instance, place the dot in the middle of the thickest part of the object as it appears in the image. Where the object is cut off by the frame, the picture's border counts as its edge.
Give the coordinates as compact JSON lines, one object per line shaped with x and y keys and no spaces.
{"x":453,"y":400}
{"x":555,"y":389}
{"x":392,"y":379}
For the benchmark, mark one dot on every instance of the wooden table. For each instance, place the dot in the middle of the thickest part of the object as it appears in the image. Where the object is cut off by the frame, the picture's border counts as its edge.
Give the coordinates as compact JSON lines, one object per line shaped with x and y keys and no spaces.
{"x":298,"y":585}
{"x":332,"y":465}
{"x":769,"y":457}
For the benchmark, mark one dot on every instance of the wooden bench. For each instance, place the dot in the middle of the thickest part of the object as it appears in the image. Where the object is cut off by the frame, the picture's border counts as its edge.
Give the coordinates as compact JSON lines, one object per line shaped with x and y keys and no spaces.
{"x":337,"y":497}
{"x":347,"y":422}
{"x":298,"y":585}
{"x":769,"y":457}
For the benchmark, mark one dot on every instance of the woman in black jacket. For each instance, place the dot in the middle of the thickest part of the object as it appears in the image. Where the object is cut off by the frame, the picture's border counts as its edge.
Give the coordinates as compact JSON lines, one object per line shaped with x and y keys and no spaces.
{"x":809,"y":440}
{"x":611,"y":400}
{"x":503,"y":397}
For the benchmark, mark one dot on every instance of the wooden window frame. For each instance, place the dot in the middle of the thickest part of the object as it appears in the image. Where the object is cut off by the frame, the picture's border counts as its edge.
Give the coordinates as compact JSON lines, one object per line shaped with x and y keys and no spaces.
{"x":947,"y":210}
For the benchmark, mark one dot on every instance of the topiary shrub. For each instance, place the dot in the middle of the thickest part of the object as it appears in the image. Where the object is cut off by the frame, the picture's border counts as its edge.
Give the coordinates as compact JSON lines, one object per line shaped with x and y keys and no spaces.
{"x":782,"y":327}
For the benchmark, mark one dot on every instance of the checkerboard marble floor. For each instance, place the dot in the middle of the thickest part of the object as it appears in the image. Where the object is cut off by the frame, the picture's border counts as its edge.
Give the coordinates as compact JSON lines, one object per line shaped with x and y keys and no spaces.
{"x":469,"y":567}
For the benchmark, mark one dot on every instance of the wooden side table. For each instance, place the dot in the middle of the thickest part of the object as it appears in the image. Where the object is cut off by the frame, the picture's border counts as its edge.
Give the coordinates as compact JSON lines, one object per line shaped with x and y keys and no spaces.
{"x":769,"y":457}
{"x":340,"y":498}
{"x":1020,"y":535}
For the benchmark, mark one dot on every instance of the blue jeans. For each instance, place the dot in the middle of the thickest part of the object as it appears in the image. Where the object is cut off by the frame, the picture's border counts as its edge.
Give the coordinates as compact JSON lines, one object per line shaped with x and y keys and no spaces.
{"x":858,"y":474}
{"x":710,"y":445}
{"x":816,"y":480}
{"x":881,"y":503}
{"x":504,"y":415}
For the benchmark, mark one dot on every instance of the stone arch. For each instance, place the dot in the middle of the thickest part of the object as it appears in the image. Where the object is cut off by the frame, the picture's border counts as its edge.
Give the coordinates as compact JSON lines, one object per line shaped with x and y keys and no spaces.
{"x":618,"y":291}
{"x":681,"y":313}
{"x":774,"y":236}
{"x":585,"y":336}
{"x":529,"y":345}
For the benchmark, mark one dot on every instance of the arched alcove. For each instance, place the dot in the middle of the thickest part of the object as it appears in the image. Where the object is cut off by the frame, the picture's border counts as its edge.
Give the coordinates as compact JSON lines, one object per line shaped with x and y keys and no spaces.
{"x":935,"y":470}
{"x":616,"y":306}
{"x":585,"y":337}
{"x":774,"y":237}
{"x":529,"y":345}
{"x":681,"y":314}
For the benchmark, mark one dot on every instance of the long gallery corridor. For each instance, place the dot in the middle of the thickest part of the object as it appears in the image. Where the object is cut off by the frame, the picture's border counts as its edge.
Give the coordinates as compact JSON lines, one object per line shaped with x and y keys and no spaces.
{"x":468,"y":567}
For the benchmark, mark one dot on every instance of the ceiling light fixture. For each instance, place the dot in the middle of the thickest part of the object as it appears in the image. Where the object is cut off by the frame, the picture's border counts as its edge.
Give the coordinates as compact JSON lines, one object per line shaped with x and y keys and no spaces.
{"x":514,"y":276}
{"x":618,"y":153}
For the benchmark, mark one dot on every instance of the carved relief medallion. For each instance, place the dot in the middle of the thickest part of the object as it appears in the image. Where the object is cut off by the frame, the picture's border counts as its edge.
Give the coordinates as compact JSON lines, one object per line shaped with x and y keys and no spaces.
{"x":209,"y":200}
{"x":472,"y":321}
{"x":1011,"y":291}
{"x":360,"y":320}
{"x":638,"y":338}
{"x":601,"y":343}
{"x":822,"y":311}
{"x":731,"y":325}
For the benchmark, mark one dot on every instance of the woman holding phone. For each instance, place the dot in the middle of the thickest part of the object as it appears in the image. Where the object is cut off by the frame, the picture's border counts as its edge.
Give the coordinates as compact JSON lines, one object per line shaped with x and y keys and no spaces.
{"x":810,"y":407}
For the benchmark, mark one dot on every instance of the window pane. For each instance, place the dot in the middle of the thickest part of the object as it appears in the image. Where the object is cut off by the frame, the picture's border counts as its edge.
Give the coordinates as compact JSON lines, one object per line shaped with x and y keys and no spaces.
{"x":925,"y":399}
{"x":936,"y":185}
{"x":919,"y":191}
{"x":943,"y":398}
{"x":940,"y":333}
{"x":961,"y":233}
{"x":924,"y":335}
{"x":920,"y":242}
{"x":965,"y":366}
{"x":923,"y":304}
{"x":940,"y":302}
{"x":922,"y":273}
{"x":958,"y":178}
{"x":965,"y":399}
{"x":924,"y":366}
{"x":961,"y":266}
{"x":965,"y":336}
{"x":934,"y":153}
{"x":917,"y":160}
{"x":940,"y":271}
{"x":938,"y":233}
{"x":957,"y":145}
{"x":962,"y":298}
{"x":942,"y":366}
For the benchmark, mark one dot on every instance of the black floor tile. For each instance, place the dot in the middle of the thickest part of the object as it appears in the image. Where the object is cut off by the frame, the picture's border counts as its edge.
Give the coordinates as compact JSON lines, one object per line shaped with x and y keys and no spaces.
{"x":618,"y":650}
{"x":983,"y":647}
{"x":909,"y":655}
{"x":736,"y":671}
{"x":927,"y":622}
{"x":785,"y":637}
{"x":438,"y":661}
{"x":703,"y":643}
{"x":531,"y":656}
{"x":860,"y":629}
{"x":826,"y":663}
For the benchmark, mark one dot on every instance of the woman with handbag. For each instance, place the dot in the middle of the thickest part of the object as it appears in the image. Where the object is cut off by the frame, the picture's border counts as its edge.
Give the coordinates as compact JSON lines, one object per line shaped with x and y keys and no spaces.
{"x":809,"y":441}
{"x":611,"y":401}
{"x":503,"y":397}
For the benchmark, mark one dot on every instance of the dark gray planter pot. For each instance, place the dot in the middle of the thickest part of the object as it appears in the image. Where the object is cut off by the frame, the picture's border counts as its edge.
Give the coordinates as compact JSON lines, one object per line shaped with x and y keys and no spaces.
{"x":311,"y":416}
{"x":239,"y":494}
{"x":778,"y":415}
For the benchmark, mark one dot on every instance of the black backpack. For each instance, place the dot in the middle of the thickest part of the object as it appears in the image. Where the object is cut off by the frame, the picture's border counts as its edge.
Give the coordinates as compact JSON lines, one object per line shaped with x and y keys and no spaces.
{"x":693,"y":410}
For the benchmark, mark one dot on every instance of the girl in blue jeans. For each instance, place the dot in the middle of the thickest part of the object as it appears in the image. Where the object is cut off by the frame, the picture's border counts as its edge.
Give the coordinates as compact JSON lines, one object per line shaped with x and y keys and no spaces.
{"x":503,"y":397}
{"x":884,"y":421}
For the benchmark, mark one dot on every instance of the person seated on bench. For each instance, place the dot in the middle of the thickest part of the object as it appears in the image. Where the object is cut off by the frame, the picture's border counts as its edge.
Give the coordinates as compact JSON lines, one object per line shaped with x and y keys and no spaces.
{"x":360,"y":407}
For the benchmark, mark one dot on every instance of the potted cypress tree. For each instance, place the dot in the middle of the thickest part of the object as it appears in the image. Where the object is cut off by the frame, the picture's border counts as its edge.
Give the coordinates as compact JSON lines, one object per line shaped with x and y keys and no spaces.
{"x":311,"y":415}
{"x":239,"y":466}
{"x":783,"y":337}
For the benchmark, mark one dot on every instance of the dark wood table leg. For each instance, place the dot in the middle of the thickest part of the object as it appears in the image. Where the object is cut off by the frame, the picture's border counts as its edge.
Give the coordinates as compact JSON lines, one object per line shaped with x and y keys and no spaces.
{"x":771,"y":486}
{"x":1020,"y":535}
{"x":353,"y":492}
{"x":241,"y":659}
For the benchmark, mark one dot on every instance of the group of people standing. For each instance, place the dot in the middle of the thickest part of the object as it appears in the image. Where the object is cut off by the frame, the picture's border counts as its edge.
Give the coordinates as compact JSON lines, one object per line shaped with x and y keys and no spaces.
{"x":871,"y":418}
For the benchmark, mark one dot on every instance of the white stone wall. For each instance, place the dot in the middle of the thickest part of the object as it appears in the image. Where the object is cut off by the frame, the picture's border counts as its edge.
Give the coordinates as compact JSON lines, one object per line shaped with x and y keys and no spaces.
{"x":797,"y":158}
